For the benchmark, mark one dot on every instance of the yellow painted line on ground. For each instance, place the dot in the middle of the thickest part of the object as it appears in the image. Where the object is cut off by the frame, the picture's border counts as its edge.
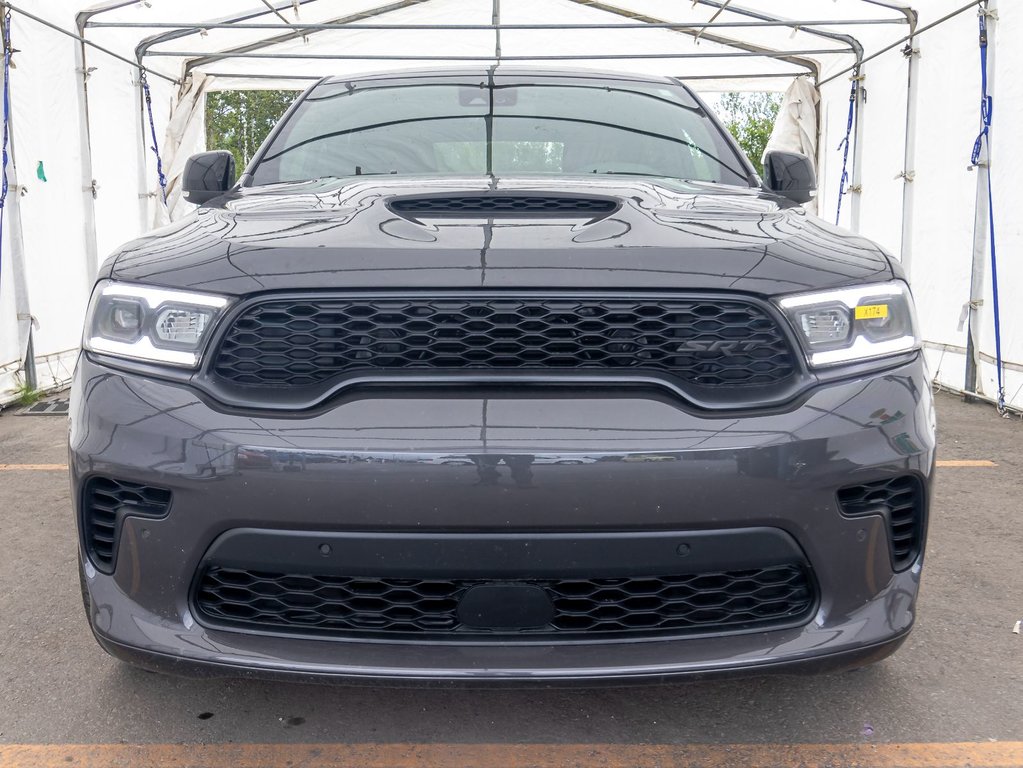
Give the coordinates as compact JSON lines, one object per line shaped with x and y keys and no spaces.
{"x":948,"y":755}
{"x":33,"y":467}
{"x":966,"y":463}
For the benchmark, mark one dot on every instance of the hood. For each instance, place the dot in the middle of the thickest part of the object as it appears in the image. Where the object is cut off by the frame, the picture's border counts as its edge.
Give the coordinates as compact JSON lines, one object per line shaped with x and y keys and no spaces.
{"x":376,"y":232}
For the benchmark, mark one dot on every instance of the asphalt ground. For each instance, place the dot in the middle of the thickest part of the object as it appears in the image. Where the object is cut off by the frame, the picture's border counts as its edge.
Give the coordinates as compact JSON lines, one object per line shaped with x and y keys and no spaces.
{"x":953,"y":695}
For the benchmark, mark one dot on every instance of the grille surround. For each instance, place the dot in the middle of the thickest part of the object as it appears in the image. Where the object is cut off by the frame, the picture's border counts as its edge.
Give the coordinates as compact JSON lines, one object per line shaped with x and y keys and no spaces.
{"x":901,"y":500}
{"x":105,"y":502}
{"x":718,"y":347}
{"x":584,"y":609}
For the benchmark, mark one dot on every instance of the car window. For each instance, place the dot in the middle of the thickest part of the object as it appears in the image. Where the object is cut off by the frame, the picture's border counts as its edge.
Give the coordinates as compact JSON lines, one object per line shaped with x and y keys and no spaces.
{"x":506,"y":128}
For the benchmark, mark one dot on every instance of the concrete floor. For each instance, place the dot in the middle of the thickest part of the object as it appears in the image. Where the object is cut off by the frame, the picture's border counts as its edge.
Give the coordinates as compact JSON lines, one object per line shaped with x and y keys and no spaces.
{"x":959,"y":678}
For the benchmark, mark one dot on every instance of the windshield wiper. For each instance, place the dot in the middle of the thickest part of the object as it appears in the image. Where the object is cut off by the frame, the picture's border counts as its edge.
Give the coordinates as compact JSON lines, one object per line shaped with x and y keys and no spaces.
{"x":359,"y":172}
{"x":636,"y":173}
{"x":673,"y":178}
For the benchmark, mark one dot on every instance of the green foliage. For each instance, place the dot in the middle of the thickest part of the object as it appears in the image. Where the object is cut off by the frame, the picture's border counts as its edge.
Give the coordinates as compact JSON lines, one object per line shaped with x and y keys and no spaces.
{"x":750,"y":118}
{"x":26,"y":395}
{"x":238,"y":121}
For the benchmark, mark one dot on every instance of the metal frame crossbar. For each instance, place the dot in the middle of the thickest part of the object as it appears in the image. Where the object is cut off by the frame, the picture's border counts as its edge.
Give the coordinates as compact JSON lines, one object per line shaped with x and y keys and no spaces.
{"x":312,"y":26}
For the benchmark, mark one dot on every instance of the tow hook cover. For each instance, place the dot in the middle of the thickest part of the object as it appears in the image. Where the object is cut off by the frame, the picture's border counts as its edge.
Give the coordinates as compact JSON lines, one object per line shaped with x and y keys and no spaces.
{"x":505,"y":606}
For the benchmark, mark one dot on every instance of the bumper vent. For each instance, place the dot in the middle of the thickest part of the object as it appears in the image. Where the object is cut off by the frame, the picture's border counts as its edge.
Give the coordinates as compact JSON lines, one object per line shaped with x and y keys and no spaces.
{"x":503,"y":205}
{"x":697,"y":603}
{"x":901,"y":500}
{"x":105,"y":502}
{"x":709,"y":342}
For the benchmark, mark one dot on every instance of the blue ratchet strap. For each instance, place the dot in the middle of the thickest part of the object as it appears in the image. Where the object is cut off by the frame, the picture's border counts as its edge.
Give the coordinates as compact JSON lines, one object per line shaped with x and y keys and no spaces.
{"x":152,"y":129}
{"x":984,"y":140}
{"x":6,"y":119}
{"x":844,"y":145}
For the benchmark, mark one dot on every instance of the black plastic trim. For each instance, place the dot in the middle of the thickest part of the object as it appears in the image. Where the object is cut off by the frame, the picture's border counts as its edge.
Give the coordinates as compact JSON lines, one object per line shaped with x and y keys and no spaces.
{"x":923,"y":486}
{"x":503,"y":205}
{"x":277,"y":671}
{"x":503,"y":556}
{"x":150,"y":511}
{"x":311,"y":396}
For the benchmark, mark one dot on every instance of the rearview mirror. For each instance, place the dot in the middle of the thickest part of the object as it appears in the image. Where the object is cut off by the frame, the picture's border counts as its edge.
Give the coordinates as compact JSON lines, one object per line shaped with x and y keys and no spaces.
{"x":208,"y":175}
{"x":790,"y":175}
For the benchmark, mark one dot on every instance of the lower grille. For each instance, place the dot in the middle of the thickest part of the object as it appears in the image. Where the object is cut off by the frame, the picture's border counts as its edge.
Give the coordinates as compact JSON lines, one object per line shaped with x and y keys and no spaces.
{"x":344,"y":606}
{"x":105,"y":502}
{"x":902,"y":500}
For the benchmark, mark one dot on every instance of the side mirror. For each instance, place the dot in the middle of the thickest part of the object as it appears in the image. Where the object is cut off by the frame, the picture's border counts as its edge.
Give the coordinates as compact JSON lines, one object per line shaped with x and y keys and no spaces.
{"x":790,"y":175}
{"x":208,"y":175}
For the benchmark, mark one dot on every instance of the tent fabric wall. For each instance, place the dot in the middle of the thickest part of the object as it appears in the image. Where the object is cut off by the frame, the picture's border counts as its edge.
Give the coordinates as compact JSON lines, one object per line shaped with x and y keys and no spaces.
{"x":186,"y":135}
{"x":120,"y":149}
{"x":937,"y":219}
{"x":11,"y":349}
{"x":948,"y":117}
{"x":883,"y":115}
{"x":47,"y":148}
{"x":795,"y":129}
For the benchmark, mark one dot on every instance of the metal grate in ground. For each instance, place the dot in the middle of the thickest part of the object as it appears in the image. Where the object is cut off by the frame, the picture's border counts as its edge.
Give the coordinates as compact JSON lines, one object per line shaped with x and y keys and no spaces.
{"x":58,"y":407}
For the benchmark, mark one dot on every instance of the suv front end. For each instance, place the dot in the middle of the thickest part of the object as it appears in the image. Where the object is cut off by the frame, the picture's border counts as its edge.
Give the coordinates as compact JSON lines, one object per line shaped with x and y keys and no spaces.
{"x":478,"y":428}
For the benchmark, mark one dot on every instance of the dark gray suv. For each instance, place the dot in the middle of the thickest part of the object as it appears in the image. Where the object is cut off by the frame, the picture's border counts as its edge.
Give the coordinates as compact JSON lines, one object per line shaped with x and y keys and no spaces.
{"x":500,"y":374}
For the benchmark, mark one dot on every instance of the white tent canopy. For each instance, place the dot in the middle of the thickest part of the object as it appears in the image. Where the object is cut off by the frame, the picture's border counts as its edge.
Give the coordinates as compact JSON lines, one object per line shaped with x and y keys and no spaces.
{"x":78,"y":118}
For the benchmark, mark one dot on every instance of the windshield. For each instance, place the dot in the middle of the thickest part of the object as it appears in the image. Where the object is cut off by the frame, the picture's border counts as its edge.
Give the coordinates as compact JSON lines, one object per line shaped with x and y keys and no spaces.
{"x":500,"y":126}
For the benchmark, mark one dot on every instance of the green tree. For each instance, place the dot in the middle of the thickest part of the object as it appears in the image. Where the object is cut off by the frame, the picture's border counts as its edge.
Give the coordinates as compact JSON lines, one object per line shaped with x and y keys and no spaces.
{"x":750,"y":118}
{"x":238,"y":121}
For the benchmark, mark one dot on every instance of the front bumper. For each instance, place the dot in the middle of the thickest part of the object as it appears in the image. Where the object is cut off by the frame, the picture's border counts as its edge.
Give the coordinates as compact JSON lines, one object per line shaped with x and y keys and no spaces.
{"x":441,"y":465}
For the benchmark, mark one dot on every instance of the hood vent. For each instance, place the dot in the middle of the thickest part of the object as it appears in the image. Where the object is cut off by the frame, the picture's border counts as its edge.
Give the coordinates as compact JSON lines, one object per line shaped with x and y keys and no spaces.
{"x":504,"y":205}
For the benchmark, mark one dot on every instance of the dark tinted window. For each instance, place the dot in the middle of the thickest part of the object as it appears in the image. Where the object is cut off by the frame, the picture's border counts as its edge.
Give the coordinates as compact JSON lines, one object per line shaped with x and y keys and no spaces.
{"x":449,"y":126}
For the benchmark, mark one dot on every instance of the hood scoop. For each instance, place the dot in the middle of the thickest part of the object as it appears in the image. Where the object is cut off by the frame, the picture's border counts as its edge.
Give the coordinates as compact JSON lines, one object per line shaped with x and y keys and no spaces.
{"x":503,"y":205}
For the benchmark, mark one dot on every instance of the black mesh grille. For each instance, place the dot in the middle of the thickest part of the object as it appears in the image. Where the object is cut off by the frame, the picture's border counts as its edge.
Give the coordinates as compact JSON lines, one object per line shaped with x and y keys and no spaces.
{"x":707,"y":342}
{"x":902,"y":497}
{"x":104,"y":502}
{"x":504,"y":205}
{"x":707,"y":602}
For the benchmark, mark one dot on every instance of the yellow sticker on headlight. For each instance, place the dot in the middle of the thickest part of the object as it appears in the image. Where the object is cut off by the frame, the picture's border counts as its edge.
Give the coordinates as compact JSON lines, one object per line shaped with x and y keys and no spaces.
{"x":872,"y":311}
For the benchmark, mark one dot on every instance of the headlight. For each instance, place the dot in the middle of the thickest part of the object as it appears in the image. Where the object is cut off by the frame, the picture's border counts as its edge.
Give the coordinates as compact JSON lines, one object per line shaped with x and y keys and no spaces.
{"x":853,"y":324}
{"x":158,"y":325}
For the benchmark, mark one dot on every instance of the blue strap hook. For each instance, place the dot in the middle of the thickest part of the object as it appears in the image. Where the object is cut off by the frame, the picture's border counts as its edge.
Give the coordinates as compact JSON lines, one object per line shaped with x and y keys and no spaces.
{"x":144,"y":82}
{"x":846,"y":142}
{"x":6,"y":121}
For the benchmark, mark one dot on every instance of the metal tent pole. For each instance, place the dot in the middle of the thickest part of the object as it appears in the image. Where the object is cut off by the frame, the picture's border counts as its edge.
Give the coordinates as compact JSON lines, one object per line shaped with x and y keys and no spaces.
{"x":783,"y":55}
{"x":205,"y":57}
{"x":496,"y":17}
{"x":179,"y":31}
{"x":806,"y":27}
{"x":310,"y":78}
{"x":793,"y":57}
{"x":903,"y":40}
{"x":912,"y":55}
{"x":82,"y":39}
{"x":301,"y":26}
{"x":16,"y":240}
{"x":981,"y":230}
{"x":856,"y":176}
{"x":88,"y":181}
